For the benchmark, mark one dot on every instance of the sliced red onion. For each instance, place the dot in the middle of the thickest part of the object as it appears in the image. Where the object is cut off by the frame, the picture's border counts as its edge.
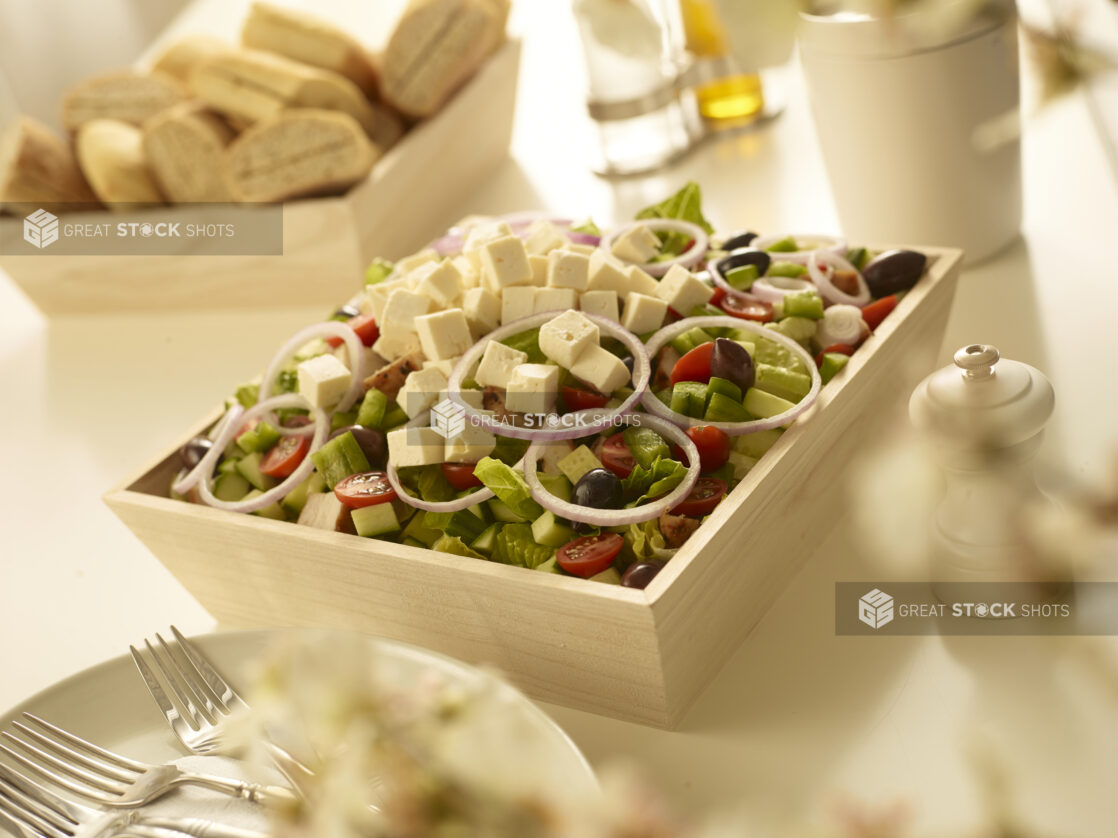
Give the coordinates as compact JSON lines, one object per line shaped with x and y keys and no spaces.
{"x":328,"y":329}
{"x":321,"y":427}
{"x":449,"y":245}
{"x":773,"y":289}
{"x":454,"y":240}
{"x":820,"y":241}
{"x":209,"y":460}
{"x":700,"y":242}
{"x":657,"y":342}
{"x":841,"y":323}
{"x":821,"y":267}
{"x":584,"y":238}
{"x":570,"y":425}
{"x":619,"y":517}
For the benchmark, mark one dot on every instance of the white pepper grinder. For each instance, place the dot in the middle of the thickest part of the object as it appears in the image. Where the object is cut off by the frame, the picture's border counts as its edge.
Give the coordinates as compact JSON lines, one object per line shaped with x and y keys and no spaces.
{"x":985,"y":418}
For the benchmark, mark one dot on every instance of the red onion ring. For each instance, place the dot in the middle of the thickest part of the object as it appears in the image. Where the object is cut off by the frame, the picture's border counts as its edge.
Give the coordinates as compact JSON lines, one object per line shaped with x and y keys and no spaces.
{"x":586,"y":421}
{"x":824,"y":282}
{"x":209,"y":459}
{"x":657,"y":342}
{"x":773,"y":289}
{"x":700,"y":242}
{"x":584,"y":238}
{"x":321,"y":427}
{"x":835,"y":244}
{"x":618,"y":517}
{"x":331,"y":328}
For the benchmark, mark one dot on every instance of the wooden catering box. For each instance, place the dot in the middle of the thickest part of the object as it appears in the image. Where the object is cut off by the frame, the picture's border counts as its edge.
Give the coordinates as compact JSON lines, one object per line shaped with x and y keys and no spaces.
{"x":640,"y":655}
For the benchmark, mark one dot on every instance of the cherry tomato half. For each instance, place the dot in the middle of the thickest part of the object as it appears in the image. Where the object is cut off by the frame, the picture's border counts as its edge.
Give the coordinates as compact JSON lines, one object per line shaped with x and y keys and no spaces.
{"x":366,"y":328}
{"x":589,"y":555}
{"x":718,"y":296}
{"x":694,"y":366}
{"x":704,"y":497}
{"x":747,"y":308}
{"x":461,"y":475}
{"x":365,"y":489}
{"x":840,"y":348}
{"x":575,"y":398}
{"x":284,"y":457}
{"x":713,"y":445}
{"x":617,"y":457}
{"x":877,"y":311}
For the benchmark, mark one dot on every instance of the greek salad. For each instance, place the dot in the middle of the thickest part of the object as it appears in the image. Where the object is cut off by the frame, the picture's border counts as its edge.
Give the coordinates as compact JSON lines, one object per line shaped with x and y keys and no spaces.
{"x":535,"y":392}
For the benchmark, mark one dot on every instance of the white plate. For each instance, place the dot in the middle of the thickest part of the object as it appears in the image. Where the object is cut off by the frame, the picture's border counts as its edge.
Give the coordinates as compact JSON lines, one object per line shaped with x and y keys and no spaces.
{"x":108,"y":704}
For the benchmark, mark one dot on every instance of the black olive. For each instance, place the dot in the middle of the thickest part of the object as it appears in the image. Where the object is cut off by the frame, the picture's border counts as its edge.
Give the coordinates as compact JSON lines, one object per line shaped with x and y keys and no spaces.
{"x":740,"y":258}
{"x":371,"y":442}
{"x":893,"y":271}
{"x":628,"y":361}
{"x":347,"y":312}
{"x":640,"y":574}
{"x":599,"y":488}
{"x":739,"y":240}
{"x":729,"y":360}
{"x":193,"y":452}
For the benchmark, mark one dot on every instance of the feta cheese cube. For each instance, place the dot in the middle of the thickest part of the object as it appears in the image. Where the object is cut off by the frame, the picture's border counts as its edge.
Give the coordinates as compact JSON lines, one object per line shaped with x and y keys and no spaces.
{"x":532,"y":388}
{"x":601,"y":303}
{"x":543,"y":237}
{"x":446,"y":367}
{"x":601,"y":369}
{"x":567,"y":270}
{"x":410,"y":263}
{"x":445,"y":334}
{"x":470,"y":275}
{"x":469,"y":446}
{"x":637,"y":244}
{"x":471,"y":397}
{"x":414,"y":447}
{"x":584,"y":249}
{"x":642,"y":282}
{"x":483,"y":310}
{"x":643,"y":313}
{"x":538,"y":264}
{"x":396,"y":344}
{"x":377,"y":296}
{"x":566,"y":337}
{"x":497,"y":364}
{"x":607,"y":274}
{"x":504,"y":262}
{"x":323,"y":380}
{"x":517,"y":302}
{"x":478,"y":235}
{"x":442,"y":284}
{"x":682,"y":290}
{"x":554,"y":299}
{"x":421,"y":390}
{"x":401,"y":310}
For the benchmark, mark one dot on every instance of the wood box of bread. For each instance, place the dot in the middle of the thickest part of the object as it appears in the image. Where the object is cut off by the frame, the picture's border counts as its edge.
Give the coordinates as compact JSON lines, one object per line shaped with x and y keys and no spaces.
{"x":274,"y":120}
{"x":636,"y":653}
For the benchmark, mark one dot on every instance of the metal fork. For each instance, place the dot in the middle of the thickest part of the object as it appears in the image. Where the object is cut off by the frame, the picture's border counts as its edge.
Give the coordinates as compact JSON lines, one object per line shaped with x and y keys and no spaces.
{"x":109,"y":779}
{"x":206,"y":700}
{"x":37,"y":812}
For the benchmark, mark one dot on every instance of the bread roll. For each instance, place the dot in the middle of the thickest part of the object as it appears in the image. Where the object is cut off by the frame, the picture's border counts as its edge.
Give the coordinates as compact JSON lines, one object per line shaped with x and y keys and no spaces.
{"x":298,"y":153}
{"x":127,"y":96}
{"x":184,"y":147}
{"x":37,"y":167}
{"x":307,"y":39}
{"x":251,"y":85}
{"x":435,"y":47}
{"x":181,"y":57}
{"x":111,"y":156}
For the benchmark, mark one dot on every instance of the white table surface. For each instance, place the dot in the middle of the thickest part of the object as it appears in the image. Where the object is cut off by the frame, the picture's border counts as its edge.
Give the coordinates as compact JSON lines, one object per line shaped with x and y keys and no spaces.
{"x":799,"y":720}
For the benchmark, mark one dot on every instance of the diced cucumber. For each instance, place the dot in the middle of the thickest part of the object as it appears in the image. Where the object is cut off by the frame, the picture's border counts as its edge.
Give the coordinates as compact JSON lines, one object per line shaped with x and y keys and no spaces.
{"x":247,"y":395}
{"x":665,"y":395}
{"x":784,"y":245}
{"x":742,"y":278}
{"x":707,"y":310}
{"x":781,"y":382}
{"x":689,"y":398}
{"x":228,"y":466}
{"x":833,"y":362}
{"x":858,"y":257}
{"x":411,"y":542}
{"x":378,"y":271}
{"x":393,"y":417}
{"x":485,"y":542}
{"x":378,"y":519}
{"x":763,"y":405}
{"x":296,"y":499}
{"x":724,"y":409}
{"x":231,"y":487}
{"x":258,"y":439}
{"x":417,"y":531}
{"x":339,"y":458}
{"x":551,"y":566}
{"x":681,"y":344}
{"x":610,"y":576}
{"x":249,"y":468}
{"x":788,"y":269}
{"x":372,"y":410}
{"x":577,"y":463}
{"x":273,"y":510}
{"x":478,"y":511}
{"x":343,"y":420}
{"x":557,"y":484}
{"x":549,"y":532}
{"x":748,"y":345}
{"x":462,"y":524}
{"x":804,"y":304}
{"x":799,"y":329}
{"x":501,"y":512}
{"x":755,"y":444}
{"x":741,"y":464}
{"x":723,"y":386}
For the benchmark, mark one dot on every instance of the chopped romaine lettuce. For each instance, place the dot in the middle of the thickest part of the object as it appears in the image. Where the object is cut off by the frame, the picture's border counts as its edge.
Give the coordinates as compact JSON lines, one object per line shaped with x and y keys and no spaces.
{"x":509,"y":486}
{"x":248,"y":395}
{"x":450,"y":544}
{"x":509,"y":451}
{"x":588,"y":226}
{"x":685,"y":205}
{"x":378,"y":271}
{"x":659,"y":479}
{"x":527,"y":342}
{"x":645,"y":542}
{"x":645,"y":445}
{"x":515,"y":546}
